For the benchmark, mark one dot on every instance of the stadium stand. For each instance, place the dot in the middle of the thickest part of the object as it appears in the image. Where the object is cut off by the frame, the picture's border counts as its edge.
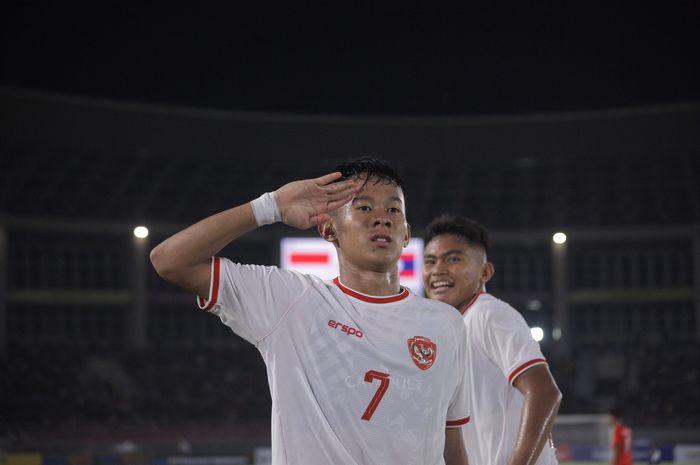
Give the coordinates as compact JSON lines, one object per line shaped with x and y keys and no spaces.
{"x":77,"y":174}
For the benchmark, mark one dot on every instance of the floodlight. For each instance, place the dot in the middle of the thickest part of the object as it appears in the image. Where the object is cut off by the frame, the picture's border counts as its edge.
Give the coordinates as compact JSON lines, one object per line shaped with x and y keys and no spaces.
{"x":141,"y":232}
{"x":537,"y":333}
{"x":559,"y":238}
{"x":556,"y":333}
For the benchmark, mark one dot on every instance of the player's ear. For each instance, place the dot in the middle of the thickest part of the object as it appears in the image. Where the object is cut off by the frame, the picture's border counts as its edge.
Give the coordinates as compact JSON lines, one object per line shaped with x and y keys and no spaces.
{"x":327,"y":231}
{"x":487,"y":271}
{"x":408,"y":235}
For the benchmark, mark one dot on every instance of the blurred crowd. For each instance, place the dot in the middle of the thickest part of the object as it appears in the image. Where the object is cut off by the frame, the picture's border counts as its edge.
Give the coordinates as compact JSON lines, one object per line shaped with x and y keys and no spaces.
{"x":55,"y":387}
{"x":49,"y":388}
{"x":652,"y":385}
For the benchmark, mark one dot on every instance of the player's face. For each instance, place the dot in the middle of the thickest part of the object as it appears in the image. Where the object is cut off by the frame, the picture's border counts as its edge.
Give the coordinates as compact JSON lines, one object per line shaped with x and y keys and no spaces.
{"x":371,"y":230}
{"x":453,"y":270}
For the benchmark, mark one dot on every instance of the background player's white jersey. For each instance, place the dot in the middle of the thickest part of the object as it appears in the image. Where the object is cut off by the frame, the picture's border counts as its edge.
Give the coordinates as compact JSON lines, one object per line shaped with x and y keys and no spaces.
{"x":500,"y":349}
{"x":354,"y":379}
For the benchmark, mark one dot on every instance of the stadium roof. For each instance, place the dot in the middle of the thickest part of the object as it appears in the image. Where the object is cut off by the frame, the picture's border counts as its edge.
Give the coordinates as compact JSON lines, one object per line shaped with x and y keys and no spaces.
{"x":485,"y":59}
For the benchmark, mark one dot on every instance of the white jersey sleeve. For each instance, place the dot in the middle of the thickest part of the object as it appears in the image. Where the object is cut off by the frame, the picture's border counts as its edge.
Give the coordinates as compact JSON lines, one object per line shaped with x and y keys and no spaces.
{"x":264,"y":292}
{"x":501,"y":348}
{"x":507,"y":340}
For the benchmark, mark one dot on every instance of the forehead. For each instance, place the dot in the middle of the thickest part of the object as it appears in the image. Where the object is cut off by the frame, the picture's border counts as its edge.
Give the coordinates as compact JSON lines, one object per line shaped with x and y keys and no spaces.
{"x":381,"y":190}
{"x":444,"y":243}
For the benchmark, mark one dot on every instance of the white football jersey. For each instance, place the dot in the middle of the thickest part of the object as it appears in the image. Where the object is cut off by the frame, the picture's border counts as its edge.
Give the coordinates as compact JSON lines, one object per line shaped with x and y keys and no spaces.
{"x":354,"y":379}
{"x":501,"y":348}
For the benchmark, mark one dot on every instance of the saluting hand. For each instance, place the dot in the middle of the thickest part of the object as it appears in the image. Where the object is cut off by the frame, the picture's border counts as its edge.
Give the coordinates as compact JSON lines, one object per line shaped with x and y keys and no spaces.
{"x":307,"y":203}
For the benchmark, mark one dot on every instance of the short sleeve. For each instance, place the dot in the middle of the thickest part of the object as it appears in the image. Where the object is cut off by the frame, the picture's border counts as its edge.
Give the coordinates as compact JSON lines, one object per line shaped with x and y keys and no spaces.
{"x":508,"y":341}
{"x":251,"y":299}
{"x":458,"y":411}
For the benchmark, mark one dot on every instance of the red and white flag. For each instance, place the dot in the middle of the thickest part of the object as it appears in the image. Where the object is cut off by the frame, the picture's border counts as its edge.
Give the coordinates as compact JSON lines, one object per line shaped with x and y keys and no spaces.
{"x":313,"y":255}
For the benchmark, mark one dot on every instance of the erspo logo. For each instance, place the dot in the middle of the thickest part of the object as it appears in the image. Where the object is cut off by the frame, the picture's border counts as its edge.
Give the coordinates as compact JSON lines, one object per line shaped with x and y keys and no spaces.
{"x":348,"y":330}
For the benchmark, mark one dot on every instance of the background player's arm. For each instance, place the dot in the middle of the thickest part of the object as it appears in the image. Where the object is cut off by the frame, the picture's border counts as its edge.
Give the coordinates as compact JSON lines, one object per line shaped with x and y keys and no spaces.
{"x":184,"y":258}
{"x":455,"y":453}
{"x":540,"y":407}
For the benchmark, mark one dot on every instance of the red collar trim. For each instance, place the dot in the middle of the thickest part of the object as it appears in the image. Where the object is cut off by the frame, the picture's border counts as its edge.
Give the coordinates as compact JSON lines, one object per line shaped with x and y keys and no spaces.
{"x":370,"y":298}
{"x":471,"y":302}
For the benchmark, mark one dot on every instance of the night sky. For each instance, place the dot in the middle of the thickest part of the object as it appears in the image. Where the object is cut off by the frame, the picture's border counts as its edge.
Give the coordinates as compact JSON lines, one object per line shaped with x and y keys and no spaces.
{"x":353,"y":60}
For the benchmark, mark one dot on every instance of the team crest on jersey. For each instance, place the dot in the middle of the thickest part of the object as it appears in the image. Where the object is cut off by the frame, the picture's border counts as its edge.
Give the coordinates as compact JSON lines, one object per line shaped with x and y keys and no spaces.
{"x":423,"y":351}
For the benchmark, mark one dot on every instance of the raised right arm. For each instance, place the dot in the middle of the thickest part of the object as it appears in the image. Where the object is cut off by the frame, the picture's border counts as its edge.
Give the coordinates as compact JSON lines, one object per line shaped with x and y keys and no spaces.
{"x":184,"y":258}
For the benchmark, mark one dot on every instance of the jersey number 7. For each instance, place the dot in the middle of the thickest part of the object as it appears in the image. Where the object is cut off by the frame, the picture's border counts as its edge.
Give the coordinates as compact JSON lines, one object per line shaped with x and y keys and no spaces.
{"x":383,"y":378}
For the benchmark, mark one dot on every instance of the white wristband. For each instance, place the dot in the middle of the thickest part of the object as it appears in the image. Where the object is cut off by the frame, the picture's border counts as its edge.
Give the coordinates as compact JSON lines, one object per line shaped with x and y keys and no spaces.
{"x":266,"y":210}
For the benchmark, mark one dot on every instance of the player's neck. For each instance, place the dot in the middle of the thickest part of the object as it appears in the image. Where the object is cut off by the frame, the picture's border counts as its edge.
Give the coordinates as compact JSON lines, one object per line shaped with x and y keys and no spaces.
{"x":377,"y":283}
{"x":469,"y":301}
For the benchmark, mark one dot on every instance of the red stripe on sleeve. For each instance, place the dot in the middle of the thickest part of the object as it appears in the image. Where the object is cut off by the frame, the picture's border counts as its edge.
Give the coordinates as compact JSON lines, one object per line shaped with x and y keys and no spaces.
{"x":514,"y":374}
{"x":214,"y":293}
{"x":460,"y":422}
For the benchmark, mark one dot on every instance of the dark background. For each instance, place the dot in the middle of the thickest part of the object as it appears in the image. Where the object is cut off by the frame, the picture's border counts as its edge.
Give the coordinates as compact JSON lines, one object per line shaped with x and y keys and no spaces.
{"x":480,"y":59}
{"x":528,"y":118}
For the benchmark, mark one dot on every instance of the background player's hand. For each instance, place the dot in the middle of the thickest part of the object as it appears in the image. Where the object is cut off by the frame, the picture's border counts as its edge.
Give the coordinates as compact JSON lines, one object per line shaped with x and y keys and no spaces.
{"x":307,"y":203}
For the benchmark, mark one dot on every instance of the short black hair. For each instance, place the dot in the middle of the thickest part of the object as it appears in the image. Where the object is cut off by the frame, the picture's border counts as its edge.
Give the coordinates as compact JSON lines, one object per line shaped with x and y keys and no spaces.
{"x":473,"y":232}
{"x":367,"y":168}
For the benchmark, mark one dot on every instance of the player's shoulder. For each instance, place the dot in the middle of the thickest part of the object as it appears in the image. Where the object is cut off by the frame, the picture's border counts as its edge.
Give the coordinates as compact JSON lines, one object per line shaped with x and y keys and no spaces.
{"x":268,"y":271}
{"x":488,"y":303}
{"x":489,"y":306}
{"x":438,"y":309}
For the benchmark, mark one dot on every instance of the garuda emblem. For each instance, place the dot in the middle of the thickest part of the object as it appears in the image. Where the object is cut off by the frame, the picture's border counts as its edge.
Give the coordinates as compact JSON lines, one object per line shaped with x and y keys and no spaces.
{"x":423,"y":351}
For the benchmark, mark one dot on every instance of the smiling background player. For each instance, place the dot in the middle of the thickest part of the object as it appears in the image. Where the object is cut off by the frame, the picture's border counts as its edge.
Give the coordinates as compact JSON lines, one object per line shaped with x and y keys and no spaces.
{"x":514,"y":397}
{"x":360,"y":370}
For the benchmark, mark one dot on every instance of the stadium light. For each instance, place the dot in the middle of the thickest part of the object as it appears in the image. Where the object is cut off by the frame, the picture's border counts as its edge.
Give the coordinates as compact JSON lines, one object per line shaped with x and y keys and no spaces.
{"x":556,"y":333}
{"x":537,"y":333}
{"x":141,"y":232}
{"x":559,"y":238}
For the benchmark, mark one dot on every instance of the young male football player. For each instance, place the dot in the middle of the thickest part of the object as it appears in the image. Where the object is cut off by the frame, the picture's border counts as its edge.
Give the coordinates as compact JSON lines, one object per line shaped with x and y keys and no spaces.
{"x":360,"y":370}
{"x":514,"y":397}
